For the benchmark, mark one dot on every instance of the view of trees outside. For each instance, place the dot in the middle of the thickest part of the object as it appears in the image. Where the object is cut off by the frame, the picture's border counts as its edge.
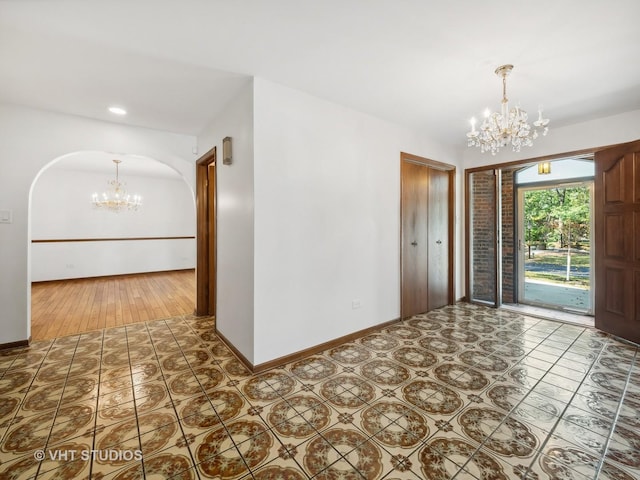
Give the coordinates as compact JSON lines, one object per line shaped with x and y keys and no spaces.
{"x":557,"y":233}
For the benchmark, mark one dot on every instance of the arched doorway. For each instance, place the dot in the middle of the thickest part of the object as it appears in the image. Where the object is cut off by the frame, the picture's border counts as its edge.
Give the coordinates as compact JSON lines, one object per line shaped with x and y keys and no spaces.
{"x":109,"y":268}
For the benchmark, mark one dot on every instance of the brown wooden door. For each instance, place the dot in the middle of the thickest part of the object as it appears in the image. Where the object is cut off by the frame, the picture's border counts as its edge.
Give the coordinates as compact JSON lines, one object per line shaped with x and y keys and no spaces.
{"x":427,"y":280}
{"x":617,"y":241}
{"x":415,"y":211}
{"x":438,"y":238}
{"x":206,"y":234}
{"x":211,"y":220}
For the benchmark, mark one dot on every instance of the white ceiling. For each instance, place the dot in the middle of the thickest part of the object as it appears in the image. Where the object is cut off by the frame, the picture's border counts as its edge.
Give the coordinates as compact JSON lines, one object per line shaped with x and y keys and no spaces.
{"x":424,"y":64}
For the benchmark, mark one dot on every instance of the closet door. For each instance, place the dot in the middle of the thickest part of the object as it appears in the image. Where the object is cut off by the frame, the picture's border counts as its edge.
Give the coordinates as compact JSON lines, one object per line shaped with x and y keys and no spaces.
{"x":438,"y":238}
{"x":426,"y":235}
{"x":415,"y":259}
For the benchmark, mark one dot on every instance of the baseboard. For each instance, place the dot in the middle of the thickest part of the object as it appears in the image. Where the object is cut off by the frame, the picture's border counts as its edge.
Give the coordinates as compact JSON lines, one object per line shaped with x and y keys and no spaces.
{"x":320,"y":347}
{"x":278,"y":362}
{"x":235,"y":351}
{"x":113,"y":275}
{"x":19,"y":343}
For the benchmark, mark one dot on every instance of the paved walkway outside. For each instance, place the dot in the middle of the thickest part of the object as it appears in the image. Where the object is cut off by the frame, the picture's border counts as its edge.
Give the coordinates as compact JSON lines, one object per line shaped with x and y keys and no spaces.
{"x":553,"y":294}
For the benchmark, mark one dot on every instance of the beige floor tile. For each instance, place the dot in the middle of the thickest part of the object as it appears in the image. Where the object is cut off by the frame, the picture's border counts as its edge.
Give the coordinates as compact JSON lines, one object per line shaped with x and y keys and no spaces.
{"x":217,"y":456}
{"x":277,"y":468}
{"x":18,"y":466}
{"x":107,"y":471}
{"x":68,"y":459}
{"x":116,"y":433}
{"x":463,"y":390}
{"x":174,"y":462}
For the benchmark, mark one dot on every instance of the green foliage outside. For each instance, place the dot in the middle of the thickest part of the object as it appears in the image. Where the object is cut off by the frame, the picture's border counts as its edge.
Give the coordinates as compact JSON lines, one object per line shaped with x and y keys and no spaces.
{"x":559,"y":219}
{"x":555,"y":215}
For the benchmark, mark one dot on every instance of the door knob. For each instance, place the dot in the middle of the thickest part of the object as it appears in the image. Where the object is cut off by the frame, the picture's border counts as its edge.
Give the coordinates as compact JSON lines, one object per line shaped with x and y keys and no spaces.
{"x":414,"y":243}
{"x":438,"y":242}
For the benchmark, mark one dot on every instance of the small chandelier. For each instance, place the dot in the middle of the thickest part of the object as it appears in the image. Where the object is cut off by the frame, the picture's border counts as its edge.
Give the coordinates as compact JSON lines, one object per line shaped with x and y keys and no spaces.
{"x":116,"y":197}
{"x":500,"y":129}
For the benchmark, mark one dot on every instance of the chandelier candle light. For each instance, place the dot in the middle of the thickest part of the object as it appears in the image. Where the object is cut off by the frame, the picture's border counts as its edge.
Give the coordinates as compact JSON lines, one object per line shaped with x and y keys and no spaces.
{"x":508,"y":126}
{"x":116,"y":197}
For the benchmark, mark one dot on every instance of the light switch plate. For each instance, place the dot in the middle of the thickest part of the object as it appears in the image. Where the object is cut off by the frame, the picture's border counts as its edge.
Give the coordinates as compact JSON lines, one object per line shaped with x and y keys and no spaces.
{"x":6,"y":216}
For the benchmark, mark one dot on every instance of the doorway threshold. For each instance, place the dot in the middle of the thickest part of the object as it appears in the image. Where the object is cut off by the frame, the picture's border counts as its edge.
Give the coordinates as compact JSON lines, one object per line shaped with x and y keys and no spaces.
{"x":550,"y":314}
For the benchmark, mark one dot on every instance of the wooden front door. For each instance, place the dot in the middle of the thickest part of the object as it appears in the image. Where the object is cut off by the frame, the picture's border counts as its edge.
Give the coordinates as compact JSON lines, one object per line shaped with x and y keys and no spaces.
{"x":427,"y":235}
{"x":617,"y":241}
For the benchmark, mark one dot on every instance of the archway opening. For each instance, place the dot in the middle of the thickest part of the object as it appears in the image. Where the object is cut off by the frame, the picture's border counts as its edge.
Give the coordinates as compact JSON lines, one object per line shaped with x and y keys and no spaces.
{"x":93,"y":268}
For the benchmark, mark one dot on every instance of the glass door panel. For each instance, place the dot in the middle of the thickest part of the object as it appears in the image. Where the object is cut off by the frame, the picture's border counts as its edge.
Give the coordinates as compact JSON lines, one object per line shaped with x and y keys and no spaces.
{"x":555,"y":261}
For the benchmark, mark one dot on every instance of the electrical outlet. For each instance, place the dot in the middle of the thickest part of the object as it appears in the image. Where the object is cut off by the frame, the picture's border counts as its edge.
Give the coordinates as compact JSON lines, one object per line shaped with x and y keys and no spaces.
{"x":356,"y":304}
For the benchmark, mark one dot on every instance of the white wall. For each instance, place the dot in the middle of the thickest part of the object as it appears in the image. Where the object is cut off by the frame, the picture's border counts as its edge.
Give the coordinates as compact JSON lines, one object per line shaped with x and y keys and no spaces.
{"x":593,"y":134}
{"x":327,"y":218}
{"x":31,"y":139}
{"x":58,"y":261}
{"x":61,"y":208}
{"x":235,"y":233}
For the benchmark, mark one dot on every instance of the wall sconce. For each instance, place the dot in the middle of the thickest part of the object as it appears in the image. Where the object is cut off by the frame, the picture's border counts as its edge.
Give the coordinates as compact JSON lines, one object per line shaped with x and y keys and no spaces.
{"x":226,"y":151}
{"x":544,"y":168}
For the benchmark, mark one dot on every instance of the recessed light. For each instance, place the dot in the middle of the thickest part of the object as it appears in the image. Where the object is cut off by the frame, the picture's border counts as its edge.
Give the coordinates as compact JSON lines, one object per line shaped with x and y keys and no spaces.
{"x":117,"y":110}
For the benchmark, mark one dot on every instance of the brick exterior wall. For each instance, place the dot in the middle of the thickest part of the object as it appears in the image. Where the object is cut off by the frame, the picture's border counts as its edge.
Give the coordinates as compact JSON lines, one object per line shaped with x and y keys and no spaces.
{"x":483,"y":236}
{"x":483,"y":208}
{"x":508,"y":237}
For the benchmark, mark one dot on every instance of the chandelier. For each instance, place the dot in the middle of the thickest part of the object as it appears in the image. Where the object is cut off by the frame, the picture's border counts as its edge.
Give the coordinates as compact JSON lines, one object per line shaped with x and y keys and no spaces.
{"x":508,"y":126}
{"x":116,"y":197}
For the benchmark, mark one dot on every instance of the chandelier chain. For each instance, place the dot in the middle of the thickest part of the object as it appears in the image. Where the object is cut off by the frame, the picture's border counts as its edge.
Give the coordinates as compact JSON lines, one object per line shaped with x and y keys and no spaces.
{"x":504,"y":87}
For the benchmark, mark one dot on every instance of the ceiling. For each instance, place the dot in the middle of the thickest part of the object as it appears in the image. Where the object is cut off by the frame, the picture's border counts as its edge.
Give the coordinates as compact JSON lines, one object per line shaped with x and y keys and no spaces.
{"x":424,"y":64}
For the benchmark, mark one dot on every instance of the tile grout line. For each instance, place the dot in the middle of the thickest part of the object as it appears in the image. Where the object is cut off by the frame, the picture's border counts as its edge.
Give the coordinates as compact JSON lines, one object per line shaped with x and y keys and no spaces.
{"x":538,"y":451}
{"x":194,"y":459}
{"x":569,"y":403}
{"x":222,"y":423}
{"x":540,"y":342}
{"x":95,"y":422}
{"x":567,"y":342}
{"x":3,"y":438}
{"x":331,"y":406}
{"x":456,"y":389}
{"x":173,"y":405}
{"x":466,"y":347}
{"x":368,"y":437}
{"x":615,"y":418}
{"x":135,"y":403}
{"x":55,"y":416}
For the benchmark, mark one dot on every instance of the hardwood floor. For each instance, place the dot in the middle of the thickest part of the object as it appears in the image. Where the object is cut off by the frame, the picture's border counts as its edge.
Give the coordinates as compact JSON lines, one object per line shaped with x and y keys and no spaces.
{"x":67,"y":307}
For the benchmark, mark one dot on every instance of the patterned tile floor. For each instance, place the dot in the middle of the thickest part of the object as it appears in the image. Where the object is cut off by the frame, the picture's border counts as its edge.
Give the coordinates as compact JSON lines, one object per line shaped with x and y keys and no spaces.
{"x":464,"y":391}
